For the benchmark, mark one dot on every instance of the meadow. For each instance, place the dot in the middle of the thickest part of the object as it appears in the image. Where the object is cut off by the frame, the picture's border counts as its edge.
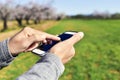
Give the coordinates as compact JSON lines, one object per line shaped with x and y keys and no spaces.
{"x":97,"y":54}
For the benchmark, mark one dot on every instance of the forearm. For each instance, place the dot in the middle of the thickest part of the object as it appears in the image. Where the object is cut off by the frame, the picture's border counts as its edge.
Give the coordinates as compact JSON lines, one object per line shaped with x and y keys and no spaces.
{"x":5,"y":55}
{"x":49,"y":67}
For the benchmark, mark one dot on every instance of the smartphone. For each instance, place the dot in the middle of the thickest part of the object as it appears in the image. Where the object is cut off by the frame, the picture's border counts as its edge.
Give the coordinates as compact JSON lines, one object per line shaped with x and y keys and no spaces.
{"x":43,"y":48}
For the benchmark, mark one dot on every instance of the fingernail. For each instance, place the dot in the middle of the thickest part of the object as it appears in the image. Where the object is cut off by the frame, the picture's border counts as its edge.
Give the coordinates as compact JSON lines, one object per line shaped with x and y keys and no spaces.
{"x":59,"y":38}
{"x":81,"y":34}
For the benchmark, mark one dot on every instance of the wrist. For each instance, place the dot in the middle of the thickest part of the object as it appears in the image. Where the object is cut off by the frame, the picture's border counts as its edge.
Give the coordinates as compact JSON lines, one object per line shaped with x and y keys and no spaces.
{"x":55,"y":60}
{"x":11,"y":49}
{"x":4,"y":51}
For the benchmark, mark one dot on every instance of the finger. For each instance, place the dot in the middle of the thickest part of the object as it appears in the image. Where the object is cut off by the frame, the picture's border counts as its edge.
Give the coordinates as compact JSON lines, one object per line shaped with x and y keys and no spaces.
{"x":72,"y":52}
{"x":42,"y":38}
{"x":36,"y":38}
{"x":75,"y":38}
{"x":32,"y":46}
{"x":66,"y":60}
{"x":52,"y":37}
{"x":45,"y":41}
{"x":48,"y":41}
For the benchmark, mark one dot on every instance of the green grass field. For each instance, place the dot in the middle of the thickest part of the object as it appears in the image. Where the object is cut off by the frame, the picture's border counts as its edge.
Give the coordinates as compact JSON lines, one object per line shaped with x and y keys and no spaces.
{"x":97,"y":55}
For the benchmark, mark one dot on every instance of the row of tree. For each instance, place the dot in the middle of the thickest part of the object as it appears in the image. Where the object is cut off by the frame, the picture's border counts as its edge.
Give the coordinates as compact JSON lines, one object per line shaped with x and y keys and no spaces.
{"x":97,"y":15}
{"x":34,"y":11}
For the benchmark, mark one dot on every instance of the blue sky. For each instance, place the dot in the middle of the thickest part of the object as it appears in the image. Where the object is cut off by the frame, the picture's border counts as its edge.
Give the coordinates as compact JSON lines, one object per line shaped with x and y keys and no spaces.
{"x":87,"y":6}
{"x":80,"y":6}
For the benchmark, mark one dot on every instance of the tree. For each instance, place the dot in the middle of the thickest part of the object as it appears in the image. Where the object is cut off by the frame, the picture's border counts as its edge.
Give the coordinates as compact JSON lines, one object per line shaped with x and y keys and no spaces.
{"x":4,"y":14}
{"x":48,"y":12}
{"x":42,"y":12}
{"x":101,"y":15}
{"x":36,"y":13}
{"x":116,"y":16}
{"x":19,"y":14}
{"x":27,"y":14}
{"x":62,"y":16}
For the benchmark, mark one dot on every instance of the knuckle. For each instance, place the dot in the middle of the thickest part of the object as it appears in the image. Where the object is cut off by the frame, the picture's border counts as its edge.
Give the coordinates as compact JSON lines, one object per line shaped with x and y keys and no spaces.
{"x":23,"y":44}
{"x":35,"y":37}
{"x":73,"y":54}
{"x":27,"y":29}
{"x":38,"y":37}
{"x":42,"y":37}
{"x":77,"y":37}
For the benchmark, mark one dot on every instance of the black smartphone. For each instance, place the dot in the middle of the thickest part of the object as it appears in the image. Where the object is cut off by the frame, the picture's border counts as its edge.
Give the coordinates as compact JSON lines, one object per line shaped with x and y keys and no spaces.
{"x":43,"y":48}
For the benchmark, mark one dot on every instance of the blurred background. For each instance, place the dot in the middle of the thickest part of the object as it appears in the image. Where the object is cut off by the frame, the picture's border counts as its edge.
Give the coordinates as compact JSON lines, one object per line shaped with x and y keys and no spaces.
{"x":97,"y":55}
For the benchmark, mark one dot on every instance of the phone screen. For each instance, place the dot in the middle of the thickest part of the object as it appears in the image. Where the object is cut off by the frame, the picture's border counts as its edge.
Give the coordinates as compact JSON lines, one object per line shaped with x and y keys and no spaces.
{"x":63,"y":36}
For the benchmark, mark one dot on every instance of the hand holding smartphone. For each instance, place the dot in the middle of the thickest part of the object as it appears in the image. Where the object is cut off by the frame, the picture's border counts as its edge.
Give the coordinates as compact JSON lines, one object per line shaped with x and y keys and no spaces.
{"x":43,"y":48}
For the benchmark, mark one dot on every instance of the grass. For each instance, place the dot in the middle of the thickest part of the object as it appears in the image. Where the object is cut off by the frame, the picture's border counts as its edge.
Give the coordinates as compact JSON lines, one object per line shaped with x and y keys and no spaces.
{"x":97,"y":55}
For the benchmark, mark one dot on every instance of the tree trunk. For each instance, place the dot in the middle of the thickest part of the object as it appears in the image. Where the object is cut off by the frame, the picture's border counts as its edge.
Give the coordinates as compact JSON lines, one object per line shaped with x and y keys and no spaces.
{"x":5,"y":26}
{"x":27,"y":18}
{"x":27,"y":21}
{"x":39,"y":21}
{"x":35,"y":22}
{"x":19,"y":22}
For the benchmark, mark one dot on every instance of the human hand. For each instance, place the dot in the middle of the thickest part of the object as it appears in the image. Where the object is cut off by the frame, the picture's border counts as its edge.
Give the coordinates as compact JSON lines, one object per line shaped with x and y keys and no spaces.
{"x":28,"y":39}
{"x":65,"y":50}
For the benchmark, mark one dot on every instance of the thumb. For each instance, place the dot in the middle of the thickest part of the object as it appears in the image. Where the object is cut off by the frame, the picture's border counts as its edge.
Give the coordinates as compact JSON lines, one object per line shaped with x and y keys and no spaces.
{"x":75,"y":38}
